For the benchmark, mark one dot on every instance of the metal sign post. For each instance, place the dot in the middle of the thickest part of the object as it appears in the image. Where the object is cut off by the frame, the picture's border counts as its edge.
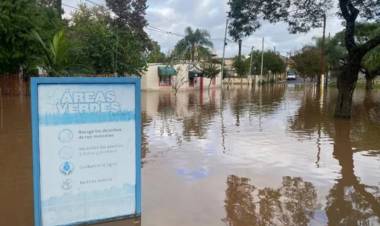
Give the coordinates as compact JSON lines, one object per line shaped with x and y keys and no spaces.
{"x":86,"y":149}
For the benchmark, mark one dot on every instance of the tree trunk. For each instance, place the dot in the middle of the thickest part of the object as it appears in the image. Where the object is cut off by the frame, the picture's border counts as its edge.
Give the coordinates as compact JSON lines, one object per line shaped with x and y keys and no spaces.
{"x":327,"y":79}
{"x":370,"y":77}
{"x":346,"y":86}
{"x":344,"y":102}
{"x":349,"y":76}
{"x":59,"y":8}
{"x":240,"y":44}
{"x":192,"y":53}
{"x":369,"y":83}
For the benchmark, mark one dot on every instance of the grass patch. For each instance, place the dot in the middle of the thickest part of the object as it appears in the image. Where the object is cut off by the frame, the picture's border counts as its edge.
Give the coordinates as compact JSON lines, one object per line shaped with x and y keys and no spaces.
{"x":360,"y":84}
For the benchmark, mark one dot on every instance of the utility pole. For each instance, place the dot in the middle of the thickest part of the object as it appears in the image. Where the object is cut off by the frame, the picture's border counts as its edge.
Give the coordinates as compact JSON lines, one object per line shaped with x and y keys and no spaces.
{"x":250,"y":64}
{"x":116,"y":52}
{"x":240,"y":45}
{"x":262,"y":59}
{"x":224,"y":51}
{"x":323,"y":52}
{"x":328,"y":72}
{"x":59,"y":8}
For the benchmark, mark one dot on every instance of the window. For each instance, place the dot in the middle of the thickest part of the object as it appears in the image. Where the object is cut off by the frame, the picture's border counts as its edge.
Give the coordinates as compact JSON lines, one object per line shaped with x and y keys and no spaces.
{"x":165,"y":74}
{"x":165,"y":80}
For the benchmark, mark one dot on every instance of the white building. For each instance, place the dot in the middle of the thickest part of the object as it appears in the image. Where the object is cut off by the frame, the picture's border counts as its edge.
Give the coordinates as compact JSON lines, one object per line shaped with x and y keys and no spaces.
{"x":180,"y":76}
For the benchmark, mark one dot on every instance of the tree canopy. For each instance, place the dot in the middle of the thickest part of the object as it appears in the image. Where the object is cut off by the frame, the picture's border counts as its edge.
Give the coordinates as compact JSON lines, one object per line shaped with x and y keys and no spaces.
{"x":303,"y":15}
{"x":130,"y":15}
{"x":93,"y":41}
{"x":155,"y":55}
{"x":32,"y":35}
{"x":19,"y":50}
{"x":272,"y":62}
{"x":307,"y":62}
{"x":241,"y":66}
{"x":242,"y":22}
{"x":195,"y":44}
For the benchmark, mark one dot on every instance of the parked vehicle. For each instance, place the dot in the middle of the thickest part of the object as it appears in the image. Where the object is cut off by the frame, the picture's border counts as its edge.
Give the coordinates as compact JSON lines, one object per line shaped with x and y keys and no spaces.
{"x":291,"y":75}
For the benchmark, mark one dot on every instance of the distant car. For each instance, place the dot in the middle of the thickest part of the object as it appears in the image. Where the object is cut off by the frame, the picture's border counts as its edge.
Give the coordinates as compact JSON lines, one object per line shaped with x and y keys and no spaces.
{"x":292,"y":76}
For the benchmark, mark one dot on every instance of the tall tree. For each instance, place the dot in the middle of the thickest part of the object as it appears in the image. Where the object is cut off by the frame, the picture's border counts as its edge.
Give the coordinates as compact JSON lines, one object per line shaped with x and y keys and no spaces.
{"x":242,"y":23}
{"x":302,"y":15}
{"x":194,"y":43}
{"x":241,"y":66}
{"x":307,"y":62}
{"x":102,"y":46}
{"x":273,"y":62}
{"x":337,"y":53}
{"x":130,"y":15}
{"x":129,"y":24}
{"x":19,"y":49}
{"x":93,"y":40}
{"x":155,"y":55}
{"x":371,"y":61}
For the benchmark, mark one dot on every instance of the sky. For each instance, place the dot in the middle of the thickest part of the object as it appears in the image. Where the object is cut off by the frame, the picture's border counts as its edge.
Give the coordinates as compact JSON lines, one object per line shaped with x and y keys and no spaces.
{"x":175,"y":15}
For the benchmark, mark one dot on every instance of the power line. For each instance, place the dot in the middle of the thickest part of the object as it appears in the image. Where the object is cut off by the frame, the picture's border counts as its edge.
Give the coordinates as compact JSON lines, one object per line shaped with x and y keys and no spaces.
{"x":70,"y":6}
{"x":94,"y":3}
{"x":154,"y":28}
{"x":164,"y":31}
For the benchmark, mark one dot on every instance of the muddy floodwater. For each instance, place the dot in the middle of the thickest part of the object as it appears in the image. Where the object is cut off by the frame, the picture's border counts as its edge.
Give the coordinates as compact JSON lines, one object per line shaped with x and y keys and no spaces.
{"x":237,"y":157}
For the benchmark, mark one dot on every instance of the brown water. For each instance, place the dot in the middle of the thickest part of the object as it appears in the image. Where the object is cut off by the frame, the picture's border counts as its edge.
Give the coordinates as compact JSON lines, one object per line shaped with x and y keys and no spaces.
{"x":239,"y":157}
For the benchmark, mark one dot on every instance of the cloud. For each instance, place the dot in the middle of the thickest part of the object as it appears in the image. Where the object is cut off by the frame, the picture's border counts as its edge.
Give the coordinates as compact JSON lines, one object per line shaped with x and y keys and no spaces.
{"x":176,"y":15}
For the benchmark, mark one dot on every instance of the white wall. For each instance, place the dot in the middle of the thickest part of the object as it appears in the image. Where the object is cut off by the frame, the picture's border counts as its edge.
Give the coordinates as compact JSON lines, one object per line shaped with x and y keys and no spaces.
{"x":150,"y":79}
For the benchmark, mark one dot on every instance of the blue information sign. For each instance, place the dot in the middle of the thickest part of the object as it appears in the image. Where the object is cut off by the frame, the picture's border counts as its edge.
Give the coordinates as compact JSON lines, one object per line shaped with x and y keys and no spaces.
{"x":86,"y":149}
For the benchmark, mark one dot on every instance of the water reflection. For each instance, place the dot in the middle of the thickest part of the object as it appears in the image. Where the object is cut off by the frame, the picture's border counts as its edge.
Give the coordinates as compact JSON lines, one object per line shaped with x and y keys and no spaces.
{"x":350,"y":202}
{"x":255,"y":101}
{"x":366,"y":125}
{"x":203,"y":113}
{"x":194,"y":111}
{"x":286,"y":160}
{"x":315,"y":116}
{"x":293,"y":203}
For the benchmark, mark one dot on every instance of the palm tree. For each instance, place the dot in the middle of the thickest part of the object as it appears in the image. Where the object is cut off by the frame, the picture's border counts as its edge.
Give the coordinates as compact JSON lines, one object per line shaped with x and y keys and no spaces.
{"x":194,"y":43}
{"x":55,"y":53}
{"x":210,"y":71}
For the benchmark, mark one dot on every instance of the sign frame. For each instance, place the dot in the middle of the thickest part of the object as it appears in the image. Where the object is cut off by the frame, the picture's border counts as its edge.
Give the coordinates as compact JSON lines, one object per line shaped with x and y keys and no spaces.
{"x":34,"y":83}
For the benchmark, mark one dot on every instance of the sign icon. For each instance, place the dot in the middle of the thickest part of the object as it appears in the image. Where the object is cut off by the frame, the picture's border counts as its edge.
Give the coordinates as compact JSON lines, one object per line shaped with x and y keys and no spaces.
{"x":66,"y":168}
{"x":67,"y":184}
{"x":65,"y":136}
{"x":66,"y":153}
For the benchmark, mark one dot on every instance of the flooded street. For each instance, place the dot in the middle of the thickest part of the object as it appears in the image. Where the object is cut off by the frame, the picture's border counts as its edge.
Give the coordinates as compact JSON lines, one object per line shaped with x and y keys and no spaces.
{"x":241,"y":157}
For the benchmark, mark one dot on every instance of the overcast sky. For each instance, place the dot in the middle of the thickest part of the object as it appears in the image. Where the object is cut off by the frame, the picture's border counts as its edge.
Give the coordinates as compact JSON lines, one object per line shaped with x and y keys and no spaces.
{"x":176,"y":15}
